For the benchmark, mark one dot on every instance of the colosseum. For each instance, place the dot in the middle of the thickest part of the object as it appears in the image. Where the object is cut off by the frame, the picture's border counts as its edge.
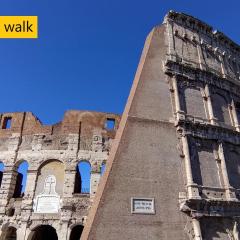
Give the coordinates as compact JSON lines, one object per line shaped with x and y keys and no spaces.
{"x":54,"y":202}
{"x":172,"y":162}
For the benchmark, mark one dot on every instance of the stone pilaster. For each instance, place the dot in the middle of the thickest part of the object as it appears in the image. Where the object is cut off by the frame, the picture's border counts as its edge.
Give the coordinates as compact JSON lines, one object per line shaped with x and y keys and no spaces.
{"x":192,"y":187}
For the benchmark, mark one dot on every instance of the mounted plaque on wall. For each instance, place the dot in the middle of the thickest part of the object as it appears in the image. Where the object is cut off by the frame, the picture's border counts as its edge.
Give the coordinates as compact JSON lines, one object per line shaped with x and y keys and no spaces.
{"x":142,"y":205}
{"x":48,"y":201}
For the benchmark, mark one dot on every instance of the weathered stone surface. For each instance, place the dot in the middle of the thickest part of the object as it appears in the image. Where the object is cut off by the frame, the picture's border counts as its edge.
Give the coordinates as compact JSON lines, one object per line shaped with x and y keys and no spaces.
{"x":178,"y":141}
{"x":52,"y":152}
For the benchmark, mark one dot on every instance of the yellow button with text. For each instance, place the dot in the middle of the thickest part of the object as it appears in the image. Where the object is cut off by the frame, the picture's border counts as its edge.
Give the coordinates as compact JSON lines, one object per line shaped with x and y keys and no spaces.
{"x":18,"y":27}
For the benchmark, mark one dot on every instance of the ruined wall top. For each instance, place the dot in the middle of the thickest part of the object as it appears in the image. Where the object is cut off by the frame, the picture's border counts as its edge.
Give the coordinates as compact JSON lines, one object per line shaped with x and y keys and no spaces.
{"x":74,"y":122}
{"x":195,"y":45}
{"x":200,"y":26}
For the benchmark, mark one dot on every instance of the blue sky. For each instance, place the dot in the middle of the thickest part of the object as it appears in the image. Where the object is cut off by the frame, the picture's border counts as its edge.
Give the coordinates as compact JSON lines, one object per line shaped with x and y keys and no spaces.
{"x":88,"y":51}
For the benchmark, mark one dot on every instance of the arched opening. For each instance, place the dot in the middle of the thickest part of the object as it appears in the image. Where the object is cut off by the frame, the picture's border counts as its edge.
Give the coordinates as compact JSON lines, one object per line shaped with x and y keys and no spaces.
{"x":44,"y":232}
{"x":50,"y":183}
{"x":82,"y":180}
{"x":11,"y":234}
{"x":21,"y":179}
{"x":76,"y":232}
{"x":1,"y":172}
{"x":103,"y":167}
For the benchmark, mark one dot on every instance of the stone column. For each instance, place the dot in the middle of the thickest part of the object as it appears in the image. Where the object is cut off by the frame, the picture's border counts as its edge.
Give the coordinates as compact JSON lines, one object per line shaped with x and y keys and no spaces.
{"x":27,"y":234}
{"x":62,"y":231}
{"x":210,"y":106}
{"x":200,"y":56}
{"x":171,"y":48}
{"x":235,"y":117}
{"x":179,"y":112}
{"x":197,"y":229}
{"x":21,"y":232}
{"x":230,"y":194}
{"x":192,"y":187}
{"x":222,"y":59}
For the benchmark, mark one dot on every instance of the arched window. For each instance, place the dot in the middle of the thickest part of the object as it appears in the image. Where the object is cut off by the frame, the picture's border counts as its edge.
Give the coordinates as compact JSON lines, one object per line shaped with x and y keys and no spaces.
{"x":1,"y":172}
{"x":103,"y":167}
{"x":50,"y":182}
{"x":21,"y":179}
{"x":11,"y":234}
{"x":82,"y":180}
{"x":44,"y":232}
{"x":49,"y":168}
{"x":76,"y":232}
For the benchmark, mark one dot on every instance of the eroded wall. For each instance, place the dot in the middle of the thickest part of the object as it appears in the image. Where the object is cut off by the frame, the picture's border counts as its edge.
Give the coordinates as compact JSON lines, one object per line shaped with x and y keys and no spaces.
{"x":54,"y":151}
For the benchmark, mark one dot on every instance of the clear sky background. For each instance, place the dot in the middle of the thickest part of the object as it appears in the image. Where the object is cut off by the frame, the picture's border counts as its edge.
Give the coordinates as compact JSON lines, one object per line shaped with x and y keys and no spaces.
{"x":88,"y":51}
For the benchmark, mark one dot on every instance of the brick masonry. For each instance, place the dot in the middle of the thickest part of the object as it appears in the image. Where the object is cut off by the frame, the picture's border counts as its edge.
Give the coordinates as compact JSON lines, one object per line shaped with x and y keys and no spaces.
{"x":178,"y":141}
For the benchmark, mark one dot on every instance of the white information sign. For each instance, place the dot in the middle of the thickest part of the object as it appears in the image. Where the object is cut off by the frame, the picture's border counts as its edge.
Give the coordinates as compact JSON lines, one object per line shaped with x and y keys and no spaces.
{"x":48,"y":201}
{"x":142,"y":205}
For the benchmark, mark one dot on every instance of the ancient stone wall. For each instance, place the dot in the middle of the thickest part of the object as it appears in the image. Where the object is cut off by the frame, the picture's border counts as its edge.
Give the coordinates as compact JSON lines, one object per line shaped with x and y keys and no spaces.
{"x":203,"y":67}
{"x":53,"y":154}
{"x":181,"y":125}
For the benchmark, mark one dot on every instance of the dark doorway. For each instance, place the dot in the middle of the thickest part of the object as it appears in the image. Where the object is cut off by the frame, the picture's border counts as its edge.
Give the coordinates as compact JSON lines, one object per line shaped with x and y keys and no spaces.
{"x":76,"y":232}
{"x":45,"y":232}
{"x":11,"y":234}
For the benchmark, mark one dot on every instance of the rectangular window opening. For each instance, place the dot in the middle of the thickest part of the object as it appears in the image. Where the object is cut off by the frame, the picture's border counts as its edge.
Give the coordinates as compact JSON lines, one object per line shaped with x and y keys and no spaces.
{"x":110,"y":124}
{"x":7,"y":121}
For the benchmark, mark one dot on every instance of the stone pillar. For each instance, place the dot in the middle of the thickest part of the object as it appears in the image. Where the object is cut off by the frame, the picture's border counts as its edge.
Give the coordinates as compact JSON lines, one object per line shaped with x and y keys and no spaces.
{"x":230,"y":194}
{"x":21,"y":232}
{"x":200,"y":57}
{"x":7,"y":187}
{"x":27,"y":234}
{"x":171,"y":48}
{"x":192,"y":187}
{"x":179,"y":112}
{"x":69,"y":182}
{"x":235,"y":117}
{"x":30,"y":185}
{"x":95,"y":179}
{"x":27,"y":203}
{"x":210,"y":106}
{"x":197,"y":229}
{"x":62,"y":231}
{"x":222,"y":59}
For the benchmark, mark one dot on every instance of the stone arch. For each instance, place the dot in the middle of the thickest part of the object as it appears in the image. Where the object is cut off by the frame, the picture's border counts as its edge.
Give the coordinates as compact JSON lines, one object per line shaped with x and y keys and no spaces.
{"x":9,"y":231}
{"x":83,"y":176}
{"x":45,"y":162}
{"x":21,"y":168}
{"x":51,"y":167}
{"x":54,"y":171}
{"x":76,"y":231}
{"x":44,"y":232}
{"x":221,"y":109}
